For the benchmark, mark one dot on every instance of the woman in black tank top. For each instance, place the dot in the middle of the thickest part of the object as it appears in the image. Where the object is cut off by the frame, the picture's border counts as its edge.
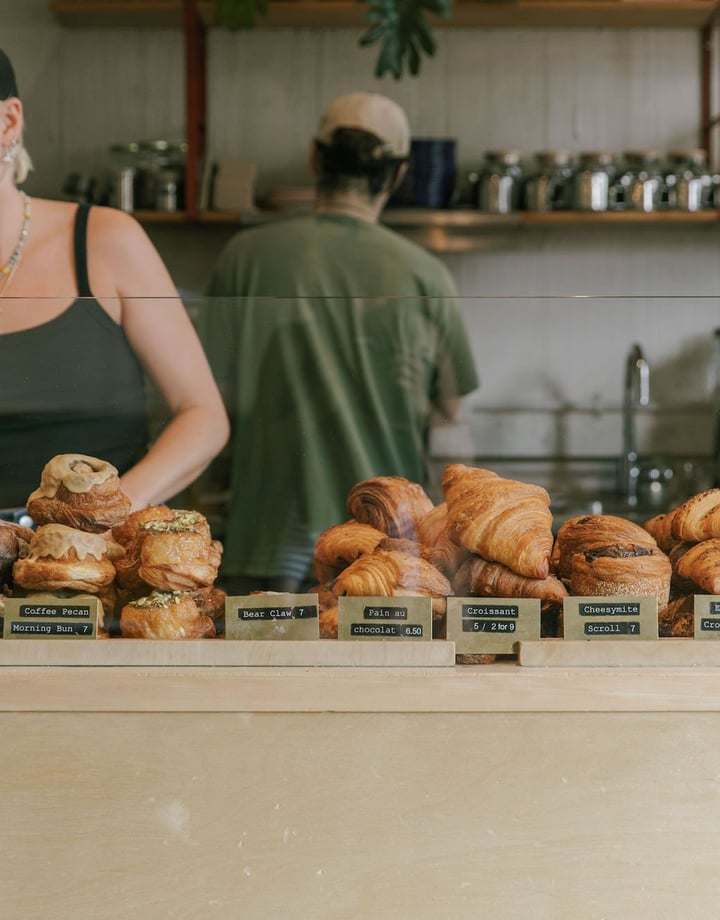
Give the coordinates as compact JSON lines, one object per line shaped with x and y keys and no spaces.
{"x":87,"y":312}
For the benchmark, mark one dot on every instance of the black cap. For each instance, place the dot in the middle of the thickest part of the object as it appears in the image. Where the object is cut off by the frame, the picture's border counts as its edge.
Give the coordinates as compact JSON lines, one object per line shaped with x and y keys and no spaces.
{"x":8,"y":84}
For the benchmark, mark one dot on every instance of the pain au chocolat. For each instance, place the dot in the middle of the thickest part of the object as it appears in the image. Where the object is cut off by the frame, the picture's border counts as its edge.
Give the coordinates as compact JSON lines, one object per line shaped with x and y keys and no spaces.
{"x":391,"y":504}
{"x":81,"y":492}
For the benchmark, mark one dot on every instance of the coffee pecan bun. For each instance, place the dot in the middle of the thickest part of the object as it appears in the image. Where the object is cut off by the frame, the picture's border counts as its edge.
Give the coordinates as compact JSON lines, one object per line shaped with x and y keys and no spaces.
{"x":165,"y":615}
{"x":81,"y":492}
{"x":65,"y":557}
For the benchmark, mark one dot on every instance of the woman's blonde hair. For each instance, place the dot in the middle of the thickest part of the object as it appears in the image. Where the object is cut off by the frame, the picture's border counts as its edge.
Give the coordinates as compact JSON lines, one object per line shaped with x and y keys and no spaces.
{"x":23,"y":164}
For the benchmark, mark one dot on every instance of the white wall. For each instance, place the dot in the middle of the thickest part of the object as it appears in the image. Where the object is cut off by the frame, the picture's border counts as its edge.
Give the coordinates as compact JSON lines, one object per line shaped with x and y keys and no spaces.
{"x":530,"y":89}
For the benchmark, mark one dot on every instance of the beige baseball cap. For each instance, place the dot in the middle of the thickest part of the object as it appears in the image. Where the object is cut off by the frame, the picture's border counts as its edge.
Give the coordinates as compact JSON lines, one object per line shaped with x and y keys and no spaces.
{"x":369,"y":112}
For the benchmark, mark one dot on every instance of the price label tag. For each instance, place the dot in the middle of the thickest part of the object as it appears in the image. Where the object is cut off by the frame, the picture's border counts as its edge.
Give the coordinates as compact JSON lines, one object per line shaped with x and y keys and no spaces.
{"x":610,"y":617}
{"x":272,"y":616}
{"x":385,"y":618}
{"x":706,"y":612}
{"x":491,"y":625}
{"x":49,"y":616}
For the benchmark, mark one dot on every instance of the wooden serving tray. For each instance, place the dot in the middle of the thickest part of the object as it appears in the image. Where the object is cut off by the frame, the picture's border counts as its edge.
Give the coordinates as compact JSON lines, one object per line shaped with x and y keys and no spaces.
{"x":607,"y":653}
{"x":221,"y":653}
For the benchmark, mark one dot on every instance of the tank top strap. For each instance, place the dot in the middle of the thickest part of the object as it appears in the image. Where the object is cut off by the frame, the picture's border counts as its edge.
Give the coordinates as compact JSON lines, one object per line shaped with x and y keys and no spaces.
{"x":80,"y":248}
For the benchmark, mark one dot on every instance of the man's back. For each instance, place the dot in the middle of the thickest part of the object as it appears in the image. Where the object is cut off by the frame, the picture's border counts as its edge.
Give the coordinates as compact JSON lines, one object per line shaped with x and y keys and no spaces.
{"x":332,"y":337}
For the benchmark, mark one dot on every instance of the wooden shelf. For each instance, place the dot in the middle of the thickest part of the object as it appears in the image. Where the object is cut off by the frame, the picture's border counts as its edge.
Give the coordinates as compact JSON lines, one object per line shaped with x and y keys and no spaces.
{"x":618,"y":14}
{"x":457,"y":220}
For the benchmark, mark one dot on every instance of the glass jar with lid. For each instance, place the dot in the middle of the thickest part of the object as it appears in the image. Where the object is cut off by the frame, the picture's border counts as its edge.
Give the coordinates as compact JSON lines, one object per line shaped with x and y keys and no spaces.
{"x":643,"y":184}
{"x":125,"y":165}
{"x":594,"y":177}
{"x":499,"y":182}
{"x":549,"y":187}
{"x":161,"y":157}
{"x":690,"y":183}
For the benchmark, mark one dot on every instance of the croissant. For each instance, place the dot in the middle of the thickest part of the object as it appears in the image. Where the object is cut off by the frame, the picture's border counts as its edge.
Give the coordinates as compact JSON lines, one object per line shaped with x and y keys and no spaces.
{"x":677,"y":619}
{"x":478,"y":577}
{"x":698,"y":518}
{"x":340,"y":545}
{"x":660,"y":528}
{"x":680,"y":585}
{"x":389,"y":503}
{"x":502,"y":520}
{"x":81,"y":492}
{"x":587,"y":531}
{"x":327,"y":611}
{"x":165,"y":615}
{"x":621,"y":569}
{"x":394,"y":574}
{"x":700,"y":562}
{"x":433,"y":532}
{"x":64,"y":557}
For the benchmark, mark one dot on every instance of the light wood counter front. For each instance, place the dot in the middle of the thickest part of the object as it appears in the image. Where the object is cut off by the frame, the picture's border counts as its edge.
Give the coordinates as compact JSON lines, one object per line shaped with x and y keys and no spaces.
{"x":348,"y":793}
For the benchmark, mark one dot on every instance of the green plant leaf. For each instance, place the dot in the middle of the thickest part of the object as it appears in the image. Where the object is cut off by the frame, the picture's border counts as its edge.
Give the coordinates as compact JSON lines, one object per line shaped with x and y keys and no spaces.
{"x":239,"y":14}
{"x":404,"y":33}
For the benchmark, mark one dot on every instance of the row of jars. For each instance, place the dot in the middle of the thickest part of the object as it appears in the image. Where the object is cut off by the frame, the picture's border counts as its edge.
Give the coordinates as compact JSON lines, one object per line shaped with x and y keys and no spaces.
{"x":638,"y":180}
{"x":148,"y":175}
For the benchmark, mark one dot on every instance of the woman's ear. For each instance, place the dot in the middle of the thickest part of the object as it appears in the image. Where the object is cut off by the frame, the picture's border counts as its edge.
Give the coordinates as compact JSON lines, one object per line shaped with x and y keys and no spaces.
{"x":11,"y":121}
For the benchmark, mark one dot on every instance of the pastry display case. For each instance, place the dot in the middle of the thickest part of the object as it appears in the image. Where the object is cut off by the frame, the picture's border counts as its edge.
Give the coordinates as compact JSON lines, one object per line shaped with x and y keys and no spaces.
{"x":321,"y":777}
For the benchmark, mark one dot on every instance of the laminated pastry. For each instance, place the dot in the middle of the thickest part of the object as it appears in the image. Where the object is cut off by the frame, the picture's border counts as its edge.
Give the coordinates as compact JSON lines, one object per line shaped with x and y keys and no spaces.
{"x":14,"y":543}
{"x":502,"y":520}
{"x":386,"y":573}
{"x":478,"y":577}
{"x":130,"y":536}
{"x":681,"y":585}
{"x":444,"y":552}
{"x":327,"y":611}
{"x":590,"y":530}
{"x":700,"y":563}
{"x":81,"y":492}
{"x":677,"y":620}
{"x":211,"y":602}
{"x":167,"y":549}
{"x":340,"y":545}
{"x":698,"y":518}
{"x":64,"y":557}
{"x":660,"y":528}
{"x":165,"y":615}
{"x":389,"y":503}
{"x":627,"y":569}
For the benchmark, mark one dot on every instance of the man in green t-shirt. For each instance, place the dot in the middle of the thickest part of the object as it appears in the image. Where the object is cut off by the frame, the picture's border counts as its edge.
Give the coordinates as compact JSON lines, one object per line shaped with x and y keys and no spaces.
{"x":334,"y":341}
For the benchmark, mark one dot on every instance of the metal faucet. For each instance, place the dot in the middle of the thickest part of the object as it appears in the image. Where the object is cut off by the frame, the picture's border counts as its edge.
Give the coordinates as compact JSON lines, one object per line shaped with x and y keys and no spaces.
{"x":636,"y":393}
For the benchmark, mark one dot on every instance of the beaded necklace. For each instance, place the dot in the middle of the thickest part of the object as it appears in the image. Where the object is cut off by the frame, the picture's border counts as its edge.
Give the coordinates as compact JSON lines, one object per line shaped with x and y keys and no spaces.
{"x":8,"y":270}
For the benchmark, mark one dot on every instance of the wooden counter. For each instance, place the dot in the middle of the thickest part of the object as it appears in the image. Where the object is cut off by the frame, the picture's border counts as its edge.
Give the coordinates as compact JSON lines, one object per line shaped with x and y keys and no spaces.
{"x":494,"y":792}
